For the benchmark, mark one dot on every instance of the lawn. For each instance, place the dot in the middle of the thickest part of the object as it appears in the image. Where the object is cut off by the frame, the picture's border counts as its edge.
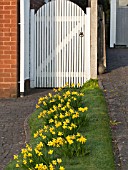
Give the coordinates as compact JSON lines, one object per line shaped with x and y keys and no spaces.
{"x":96,"y":152}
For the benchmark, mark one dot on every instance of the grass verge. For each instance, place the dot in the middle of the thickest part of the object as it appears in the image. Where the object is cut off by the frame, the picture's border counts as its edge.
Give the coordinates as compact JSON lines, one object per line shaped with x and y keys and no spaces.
{"x":96,"y":129}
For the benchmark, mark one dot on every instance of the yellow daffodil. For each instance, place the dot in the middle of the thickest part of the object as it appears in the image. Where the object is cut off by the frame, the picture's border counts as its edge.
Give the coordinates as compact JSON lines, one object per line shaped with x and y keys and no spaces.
{"x":51,"y":167}
{"x":37,"y":106}
{"x":15,"y":157}
{"x":50,"y":95}
{"x":55,"y":90}
{"x":72,"y":85}
{"x":59,"y":105}
{"x":59,"y":89}
{"x":24,"y":162}
{"x":61,"y":168}
{"x":56,"y":116}
{"x":68,"y":93}
{"x":30,"y":160}
{"x":54,"y":162}
{"x":50,"y":152}
{"x":74,"y":93}
{"x":61,"y":116}
{"x":40,"y":154}
{"x":17,"y":165}
{"x":82,"y":139}
{"x":24,"y":151}
{"x":78,"y":85}
{"x":58,"y":124}
{"x":43,"y":137}
{"x":29,"y":155}
{"x":60,"y":133}
{"x":51,"y":121}
{"x":63,"y":108}
{"x":59,"y":161}
{"x":44,"y":103}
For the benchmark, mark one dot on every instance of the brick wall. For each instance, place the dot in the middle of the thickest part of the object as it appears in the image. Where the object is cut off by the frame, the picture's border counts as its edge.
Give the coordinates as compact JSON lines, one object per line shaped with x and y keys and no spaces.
{"x":8,"y":48}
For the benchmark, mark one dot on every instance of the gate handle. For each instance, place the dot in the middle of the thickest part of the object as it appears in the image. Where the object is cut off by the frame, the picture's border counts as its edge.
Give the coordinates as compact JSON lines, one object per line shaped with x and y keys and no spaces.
{"x":81,"y":34}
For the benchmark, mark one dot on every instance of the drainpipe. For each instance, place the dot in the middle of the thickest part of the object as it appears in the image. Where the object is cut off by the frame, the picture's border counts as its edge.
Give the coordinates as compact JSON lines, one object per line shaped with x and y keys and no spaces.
{"x":22,"y":47}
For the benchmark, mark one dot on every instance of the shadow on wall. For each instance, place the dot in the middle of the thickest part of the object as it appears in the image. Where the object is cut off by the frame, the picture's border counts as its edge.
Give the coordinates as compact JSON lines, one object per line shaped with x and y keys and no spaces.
{"x":116,"y":58}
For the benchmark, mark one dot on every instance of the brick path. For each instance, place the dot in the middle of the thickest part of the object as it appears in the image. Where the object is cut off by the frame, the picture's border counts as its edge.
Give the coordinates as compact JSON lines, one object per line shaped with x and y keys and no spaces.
{"x":115,"y":83}
{"x":13,"y":113}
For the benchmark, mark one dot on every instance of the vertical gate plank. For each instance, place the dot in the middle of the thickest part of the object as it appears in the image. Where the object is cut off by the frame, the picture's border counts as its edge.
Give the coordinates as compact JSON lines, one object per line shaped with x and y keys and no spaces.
{"x":42,"y":67}
{"x":72,"y":56}
{"x":45,"y":60}
{"x":40,"y":54}
{"x":50,"y":46}
{"x":77,"y":46}
{"x":32,"y":50}
{"x":56,"y":44}
{"x":74,"y":45}
{"x":67,"y":41}
{"x":47,"y":47}
{"x":64,"y":70}
{"x":62,"y":40}
{"x":37,"y":68}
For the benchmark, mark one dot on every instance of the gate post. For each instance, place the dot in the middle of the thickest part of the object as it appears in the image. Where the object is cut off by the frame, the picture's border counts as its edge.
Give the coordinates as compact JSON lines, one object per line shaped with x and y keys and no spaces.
{"x":94,"y":19}
{"x":87,"y":63}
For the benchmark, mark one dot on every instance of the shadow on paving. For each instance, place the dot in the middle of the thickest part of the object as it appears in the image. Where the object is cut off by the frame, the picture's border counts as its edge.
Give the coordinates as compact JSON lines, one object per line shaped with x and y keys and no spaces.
{"x":116,"y":58}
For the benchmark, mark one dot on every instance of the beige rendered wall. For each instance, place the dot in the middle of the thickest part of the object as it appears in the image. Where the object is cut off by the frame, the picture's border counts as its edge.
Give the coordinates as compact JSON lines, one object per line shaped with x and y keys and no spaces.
{"x":123,"y":2}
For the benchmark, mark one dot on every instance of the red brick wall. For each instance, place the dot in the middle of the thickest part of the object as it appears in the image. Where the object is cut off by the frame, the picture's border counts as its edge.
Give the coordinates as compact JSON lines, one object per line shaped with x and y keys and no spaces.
{"x":8,"y":48}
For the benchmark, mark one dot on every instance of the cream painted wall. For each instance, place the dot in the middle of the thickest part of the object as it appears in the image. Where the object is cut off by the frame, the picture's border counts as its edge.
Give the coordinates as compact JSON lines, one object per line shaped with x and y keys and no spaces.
{"x":123,"y":2}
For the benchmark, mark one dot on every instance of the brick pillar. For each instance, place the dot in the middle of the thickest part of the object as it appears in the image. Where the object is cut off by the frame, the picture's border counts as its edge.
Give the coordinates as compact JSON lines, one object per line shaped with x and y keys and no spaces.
{"x":8,"y":48}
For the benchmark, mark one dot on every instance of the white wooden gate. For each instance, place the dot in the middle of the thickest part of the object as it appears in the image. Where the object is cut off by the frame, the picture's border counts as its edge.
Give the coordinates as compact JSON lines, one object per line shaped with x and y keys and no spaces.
{"x":60,"y":45}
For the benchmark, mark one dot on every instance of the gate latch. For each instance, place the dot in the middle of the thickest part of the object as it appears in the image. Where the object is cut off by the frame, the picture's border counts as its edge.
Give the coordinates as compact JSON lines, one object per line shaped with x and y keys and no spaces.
{"x":81,"y":34}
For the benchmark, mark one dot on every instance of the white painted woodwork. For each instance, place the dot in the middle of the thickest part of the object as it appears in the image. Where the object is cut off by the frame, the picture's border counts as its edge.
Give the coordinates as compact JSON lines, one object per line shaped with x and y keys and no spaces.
{"x":113,"y":9}
{"x":61,"y":55}
{"x":24,"y":42}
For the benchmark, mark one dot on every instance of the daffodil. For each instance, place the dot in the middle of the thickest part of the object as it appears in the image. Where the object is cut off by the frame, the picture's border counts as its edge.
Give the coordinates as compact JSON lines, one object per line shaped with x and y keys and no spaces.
{"x":50,"y":152}
{"x":24,"y":162}
{"x":60,"y":133}
{"x":59,"y":161}
{"x":17,"y":165}
{"x":61,"y":168}
{"x":82,"y":139}
{"x":54,"y":162}
{"x":15,"y":157}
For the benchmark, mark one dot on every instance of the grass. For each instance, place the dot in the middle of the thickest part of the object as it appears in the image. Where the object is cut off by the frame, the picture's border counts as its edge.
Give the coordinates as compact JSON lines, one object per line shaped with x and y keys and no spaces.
{"x":96,"y":129}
